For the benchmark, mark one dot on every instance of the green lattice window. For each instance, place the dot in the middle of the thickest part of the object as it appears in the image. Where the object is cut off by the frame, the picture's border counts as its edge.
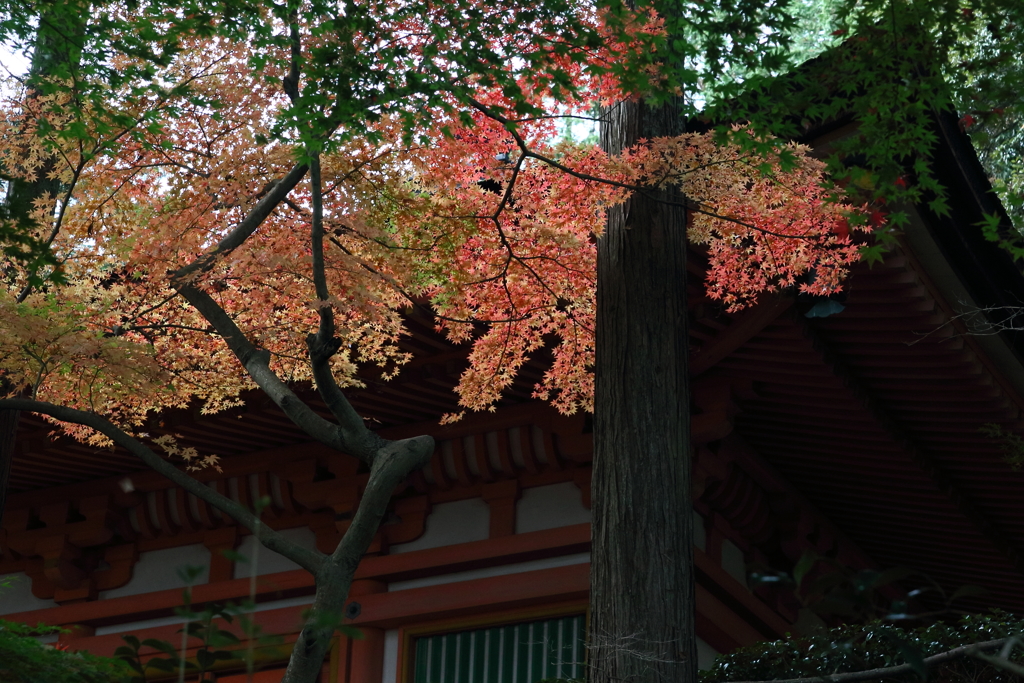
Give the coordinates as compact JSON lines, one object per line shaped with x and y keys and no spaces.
{"x":517,"y":653}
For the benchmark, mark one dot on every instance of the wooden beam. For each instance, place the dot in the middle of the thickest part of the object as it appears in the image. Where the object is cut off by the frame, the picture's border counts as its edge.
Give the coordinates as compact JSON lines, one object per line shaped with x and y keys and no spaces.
{"x":1003,"y":542}
{"x":745,"y":326}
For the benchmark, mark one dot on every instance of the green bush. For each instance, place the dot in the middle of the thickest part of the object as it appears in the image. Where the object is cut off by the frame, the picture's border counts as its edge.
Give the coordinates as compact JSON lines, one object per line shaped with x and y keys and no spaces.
{"x":874,"y":645}
{"x":23,"y":659}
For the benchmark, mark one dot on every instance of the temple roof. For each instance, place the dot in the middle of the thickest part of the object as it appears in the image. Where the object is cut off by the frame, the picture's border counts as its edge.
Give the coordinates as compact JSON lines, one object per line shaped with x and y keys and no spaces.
{"x":872,"y":414}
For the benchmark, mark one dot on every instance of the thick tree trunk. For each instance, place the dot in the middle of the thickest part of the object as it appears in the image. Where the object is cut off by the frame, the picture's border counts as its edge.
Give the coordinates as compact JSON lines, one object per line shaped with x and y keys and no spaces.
{"x":314,"y":641}
{"x":642,"y":595}
{"x":56,"y":50}
{"x":57,"y":53}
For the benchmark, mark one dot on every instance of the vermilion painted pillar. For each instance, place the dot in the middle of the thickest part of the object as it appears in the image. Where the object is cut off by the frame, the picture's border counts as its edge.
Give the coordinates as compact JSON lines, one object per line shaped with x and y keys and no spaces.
{"x":366,"y":663}
{"x":368,"y":657}
{"x":502,"y":497}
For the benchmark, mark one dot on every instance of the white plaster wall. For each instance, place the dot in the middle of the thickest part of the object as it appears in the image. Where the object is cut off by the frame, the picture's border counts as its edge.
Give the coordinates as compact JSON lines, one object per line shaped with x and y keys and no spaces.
{"x":267,"y":561}
{"x":705,"y":655}
{"x":733,"y":562}
{"x":700,"y":534}
{"x":548,"y":507}
{"x":164,"y":621}
{"x":390,"y":670}
{"x":16,"y":595}
{"x":158,"y":570}
{"x":133,"y":626}
{"x":451,"y":523}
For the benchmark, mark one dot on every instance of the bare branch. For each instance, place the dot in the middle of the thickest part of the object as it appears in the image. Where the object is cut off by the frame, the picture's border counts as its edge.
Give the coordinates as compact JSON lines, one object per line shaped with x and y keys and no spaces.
{"x":323,"y":345}
{"x":982,"y":322}
{"x":234,"y":239}
{"x":352,"y":437}
{"x":311,"y":560}
{"x":899,"y":669}
{"x":393,"y":463}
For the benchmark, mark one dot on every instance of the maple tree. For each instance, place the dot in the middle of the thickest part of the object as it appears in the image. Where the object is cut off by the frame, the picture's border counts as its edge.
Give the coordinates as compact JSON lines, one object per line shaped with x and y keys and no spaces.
{"x":245,"y":199}
{"x":226,"y":234}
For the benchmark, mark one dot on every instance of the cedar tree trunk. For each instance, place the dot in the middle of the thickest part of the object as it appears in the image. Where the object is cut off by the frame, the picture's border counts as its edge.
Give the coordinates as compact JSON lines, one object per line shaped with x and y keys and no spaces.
{"x":57,"y":51}
{"x":642,"y":595}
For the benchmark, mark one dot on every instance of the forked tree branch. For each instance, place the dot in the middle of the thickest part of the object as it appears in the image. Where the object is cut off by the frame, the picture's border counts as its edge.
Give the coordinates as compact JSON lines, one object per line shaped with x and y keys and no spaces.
{"x":393,"y":463}
{"x":310,"y":560}
{"x":350,"y":437}
{"x":323,"y":345}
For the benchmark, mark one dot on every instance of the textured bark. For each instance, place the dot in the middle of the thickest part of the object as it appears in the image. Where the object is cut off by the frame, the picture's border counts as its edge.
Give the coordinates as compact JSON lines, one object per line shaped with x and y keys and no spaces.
{"x":642,"y":595}
{"x":60,"y":28}
{"x":391,"y":465}
{"x":61,"y":25}
{"x":333,"y":574}
{"x":314,"y":640}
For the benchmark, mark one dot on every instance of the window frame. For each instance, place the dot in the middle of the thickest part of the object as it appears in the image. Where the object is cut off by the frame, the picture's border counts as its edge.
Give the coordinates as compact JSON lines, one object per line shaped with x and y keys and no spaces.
{"x":407,"y":635}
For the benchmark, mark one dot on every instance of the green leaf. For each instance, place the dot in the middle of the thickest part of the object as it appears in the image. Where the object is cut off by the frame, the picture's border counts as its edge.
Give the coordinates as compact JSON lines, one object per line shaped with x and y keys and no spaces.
{"x":989,"y":225}
{"x":806,"y":562}
{"x":968,"y":591}
{"x":351,"y":632}
{"x":164,"y":664}
{"x":892,"y":575}
{"x":234,"y":556}
{"x":913,"y":654}
{"x":161,"y":645}
{"x":872,"y":254}
{"x":189,"y":573}
{"x":262,"y":504}
{"x":221,"y":637}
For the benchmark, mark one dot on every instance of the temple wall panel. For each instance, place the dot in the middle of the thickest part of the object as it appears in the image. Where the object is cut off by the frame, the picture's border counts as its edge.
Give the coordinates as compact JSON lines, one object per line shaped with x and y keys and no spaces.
{"x":459,"y":521}
{"x":494,"y":532}
{"x":267,"y":561}
{"x":159,"y":569}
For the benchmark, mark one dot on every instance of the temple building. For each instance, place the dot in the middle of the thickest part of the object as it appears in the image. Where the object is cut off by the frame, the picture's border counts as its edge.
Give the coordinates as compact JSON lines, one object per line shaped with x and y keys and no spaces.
{"x":850,"y":428}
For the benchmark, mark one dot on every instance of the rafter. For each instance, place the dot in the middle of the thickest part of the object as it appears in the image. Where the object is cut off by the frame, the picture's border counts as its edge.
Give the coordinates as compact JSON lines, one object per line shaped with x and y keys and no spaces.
{"x":745,"y":326}
{"x":929,"y":464}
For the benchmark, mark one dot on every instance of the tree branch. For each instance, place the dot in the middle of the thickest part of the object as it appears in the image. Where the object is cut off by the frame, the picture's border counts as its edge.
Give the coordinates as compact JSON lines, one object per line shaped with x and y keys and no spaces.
{"x":234,"y":239}
{"x":351,"y":435}
{"x":360,"y":441}
{"x":888,"y":671}
{"x":353,"y":439}
{"x":393,"y":463}
{"x":323,"y":295}
{"x":290,"y":83}
{"x":323,"y":345}
{"x":310,"y":560}
{"x":690,"y":203}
